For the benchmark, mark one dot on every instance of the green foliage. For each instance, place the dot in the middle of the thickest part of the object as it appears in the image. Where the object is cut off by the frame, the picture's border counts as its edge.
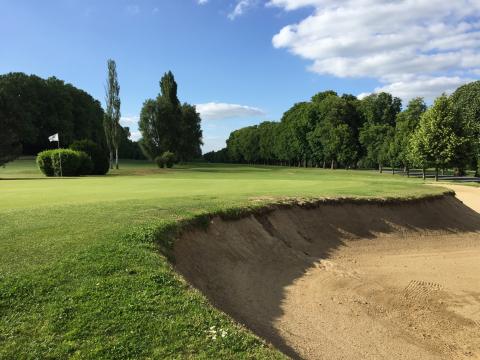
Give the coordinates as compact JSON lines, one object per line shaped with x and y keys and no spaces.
{"x":32,"y":109}
{"x":65,"y":162}
{"x":44,"y":162}
{"x":97,"y":155}
{"x":168,"y":126}
{"x":167,"y":159}
{"x":466,"y":104}
{"x":85,"y":164}
{"x":407,"y":123}
{"x":348,"y":132}
{"x":435,"y":141}
{"x":111,"y":120}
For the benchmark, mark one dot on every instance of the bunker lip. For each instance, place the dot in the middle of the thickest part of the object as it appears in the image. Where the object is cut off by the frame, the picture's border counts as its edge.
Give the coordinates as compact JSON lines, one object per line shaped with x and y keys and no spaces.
{"x":346,"y":278}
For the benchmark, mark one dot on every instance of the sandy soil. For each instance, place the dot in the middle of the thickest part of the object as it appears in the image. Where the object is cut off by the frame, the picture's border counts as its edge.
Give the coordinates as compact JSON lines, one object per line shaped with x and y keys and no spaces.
{"x":469,"y":195}
{"x":347,"y":281}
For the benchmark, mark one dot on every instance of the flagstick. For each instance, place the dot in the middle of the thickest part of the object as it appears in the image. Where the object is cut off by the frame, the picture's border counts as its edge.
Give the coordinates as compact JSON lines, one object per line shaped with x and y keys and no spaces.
{"x":60,"y":154}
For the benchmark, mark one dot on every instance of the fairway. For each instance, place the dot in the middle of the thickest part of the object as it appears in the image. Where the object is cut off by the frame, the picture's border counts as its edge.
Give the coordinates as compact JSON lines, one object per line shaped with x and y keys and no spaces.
{"x":81,"y":272}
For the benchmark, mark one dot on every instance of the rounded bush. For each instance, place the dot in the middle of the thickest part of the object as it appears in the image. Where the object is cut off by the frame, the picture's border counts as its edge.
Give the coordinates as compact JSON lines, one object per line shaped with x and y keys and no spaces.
{"x":159,"y":161}
{"x":44,"y":162}
{"x":99,"y":157}
{"x":168,"y":159}
{"x":86,"y":164}
{"x":64,"y":162}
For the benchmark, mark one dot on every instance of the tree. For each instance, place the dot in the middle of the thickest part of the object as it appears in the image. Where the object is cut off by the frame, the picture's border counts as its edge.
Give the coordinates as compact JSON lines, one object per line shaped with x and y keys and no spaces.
{"x":336,"y":137}
{"x":299,"y":120}
{"x":166,"y":125}
{"x":32,"y":109}
{"x":466,"y":104}
{"x":10,"y":145}
{"x":406,"y":124}
{"x":379,"y":112}
{"x":434,"y":141}
{"x":266,"y":142}
{"x":112,"y":113}
{"x":190,"y":140}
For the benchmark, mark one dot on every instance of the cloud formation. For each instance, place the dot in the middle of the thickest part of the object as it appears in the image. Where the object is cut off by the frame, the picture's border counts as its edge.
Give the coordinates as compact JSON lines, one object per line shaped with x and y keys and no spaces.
{"x":130,"y":120}
{"x":413,"y":47}
{"x":240,"y":8}
{"x":202,"y":2}
{"x":220,"y":111}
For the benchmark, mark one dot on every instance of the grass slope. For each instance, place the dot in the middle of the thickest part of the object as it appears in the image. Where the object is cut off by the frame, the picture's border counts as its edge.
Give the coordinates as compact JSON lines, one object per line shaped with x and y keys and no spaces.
{"x":81,"y":274}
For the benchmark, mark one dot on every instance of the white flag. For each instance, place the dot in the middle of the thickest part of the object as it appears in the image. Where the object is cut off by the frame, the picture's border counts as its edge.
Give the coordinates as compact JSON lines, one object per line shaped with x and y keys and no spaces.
{"x":54,"y":137}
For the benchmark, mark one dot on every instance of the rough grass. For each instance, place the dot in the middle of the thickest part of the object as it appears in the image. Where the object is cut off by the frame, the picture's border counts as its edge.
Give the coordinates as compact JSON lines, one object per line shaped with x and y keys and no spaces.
{"x":83,"y":271}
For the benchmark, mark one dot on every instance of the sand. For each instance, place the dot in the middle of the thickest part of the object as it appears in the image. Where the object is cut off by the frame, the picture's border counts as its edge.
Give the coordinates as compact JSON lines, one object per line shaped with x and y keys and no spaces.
{"x":348,"y":280}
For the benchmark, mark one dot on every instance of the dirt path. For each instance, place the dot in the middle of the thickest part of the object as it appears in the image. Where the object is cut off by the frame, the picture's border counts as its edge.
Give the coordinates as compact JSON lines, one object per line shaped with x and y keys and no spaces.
{"x":469,"y":195}
{"x":347,"y":281}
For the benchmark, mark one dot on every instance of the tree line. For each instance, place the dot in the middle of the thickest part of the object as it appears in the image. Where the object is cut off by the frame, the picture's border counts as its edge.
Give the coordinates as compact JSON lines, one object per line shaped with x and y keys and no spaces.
{"x":32,"y":109}
{"x":344,"y":131}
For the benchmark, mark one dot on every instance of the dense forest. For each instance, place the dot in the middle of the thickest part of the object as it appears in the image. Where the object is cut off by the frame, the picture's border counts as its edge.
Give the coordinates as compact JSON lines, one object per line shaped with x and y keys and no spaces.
{"x":32,"y":109}
{"x":343,"y":131}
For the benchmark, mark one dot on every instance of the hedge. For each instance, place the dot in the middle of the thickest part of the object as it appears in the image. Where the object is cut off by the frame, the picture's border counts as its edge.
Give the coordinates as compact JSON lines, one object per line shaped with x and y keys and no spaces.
{"x":98,"y":156}
{"x":64,"y":162}
{"x":166,"y":159}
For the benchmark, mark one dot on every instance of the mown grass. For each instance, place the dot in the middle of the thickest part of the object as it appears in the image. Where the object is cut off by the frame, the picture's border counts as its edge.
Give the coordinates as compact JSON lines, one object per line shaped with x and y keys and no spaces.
{"x":82,"y":274}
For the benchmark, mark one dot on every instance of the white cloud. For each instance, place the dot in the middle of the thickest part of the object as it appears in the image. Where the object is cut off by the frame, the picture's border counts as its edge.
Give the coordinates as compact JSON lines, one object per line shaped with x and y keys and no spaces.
{"x":135,"y":135}
{"x":218,"y":111}
{"x":202,"y":2}
{"x":240,"y":8}
{"x":413,"y":47}
{"x":131,"y":120}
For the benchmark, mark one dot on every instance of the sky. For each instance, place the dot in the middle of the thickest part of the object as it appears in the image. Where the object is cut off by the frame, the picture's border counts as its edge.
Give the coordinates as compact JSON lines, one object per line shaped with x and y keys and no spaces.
{"x":242,"y":62}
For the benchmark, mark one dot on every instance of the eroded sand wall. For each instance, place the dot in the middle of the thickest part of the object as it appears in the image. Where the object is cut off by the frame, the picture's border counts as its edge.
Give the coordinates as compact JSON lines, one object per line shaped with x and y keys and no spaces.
{"x":348,"y":280}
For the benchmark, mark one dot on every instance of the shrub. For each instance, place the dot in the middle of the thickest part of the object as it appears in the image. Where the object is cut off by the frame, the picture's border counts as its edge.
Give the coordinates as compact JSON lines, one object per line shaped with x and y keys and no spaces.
{"x":168,"y":159}
{"x":44,"y":162}
{"x":159,"y":161}
{"x":70,"y":162}
{"x":86,"y":164}
{"x":99,"y":157}
{"x":73,"y":163}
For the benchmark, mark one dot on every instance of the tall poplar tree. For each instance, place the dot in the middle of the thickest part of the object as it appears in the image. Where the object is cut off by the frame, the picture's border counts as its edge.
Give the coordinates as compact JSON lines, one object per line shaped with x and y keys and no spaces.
{"x":111,"y":120}
{"x":168,"y":125}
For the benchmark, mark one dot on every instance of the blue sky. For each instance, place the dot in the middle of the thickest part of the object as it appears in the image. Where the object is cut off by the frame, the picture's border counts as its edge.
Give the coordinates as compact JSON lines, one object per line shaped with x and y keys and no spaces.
{"x":244,"y":61}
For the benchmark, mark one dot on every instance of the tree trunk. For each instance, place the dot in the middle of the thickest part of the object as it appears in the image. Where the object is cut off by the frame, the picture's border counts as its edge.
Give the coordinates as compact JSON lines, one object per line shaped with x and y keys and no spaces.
{"x":424,"y":175}
{"x":324,"y":164}
{"x":407,"y":170}
{"x":380,"y":168}
{"x":111,"y":159}
{"x":436,"y":173}
{"x":116,"y":158}
{"x":331,"y":165}
{"x":443,"y":171}
{"x":393,"y":170}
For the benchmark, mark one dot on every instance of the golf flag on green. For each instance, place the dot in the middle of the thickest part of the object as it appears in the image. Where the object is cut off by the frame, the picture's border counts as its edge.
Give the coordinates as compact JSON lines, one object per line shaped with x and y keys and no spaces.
{"x":54,"y":137}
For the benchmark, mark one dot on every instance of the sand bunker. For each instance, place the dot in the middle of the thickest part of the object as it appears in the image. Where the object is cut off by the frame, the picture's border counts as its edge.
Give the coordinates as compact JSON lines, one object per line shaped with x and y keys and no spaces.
{"x":348,"y":280}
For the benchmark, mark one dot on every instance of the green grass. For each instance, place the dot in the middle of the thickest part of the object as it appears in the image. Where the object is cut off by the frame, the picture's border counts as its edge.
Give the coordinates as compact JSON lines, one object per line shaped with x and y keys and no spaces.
{"x":82,"y":274}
